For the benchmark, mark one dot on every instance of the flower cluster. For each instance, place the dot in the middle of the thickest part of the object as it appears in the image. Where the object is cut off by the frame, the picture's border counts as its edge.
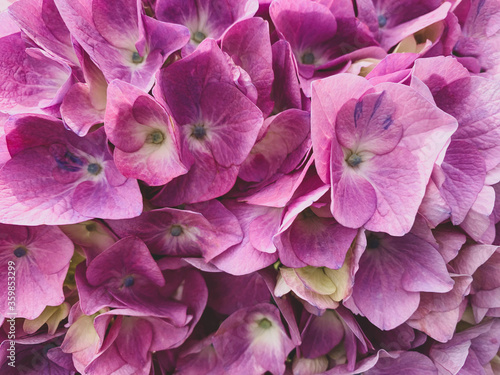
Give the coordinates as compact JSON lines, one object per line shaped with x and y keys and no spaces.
{"x":250,"y":187}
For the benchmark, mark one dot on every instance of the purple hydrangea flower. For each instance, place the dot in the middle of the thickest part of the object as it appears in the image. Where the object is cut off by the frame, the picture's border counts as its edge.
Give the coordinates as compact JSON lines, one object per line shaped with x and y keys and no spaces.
{"x":144,"y":134}
{"x":203,"y":18}
{"x":218,"y":124}
{"x":377,"y":146}
{"x":132,"y":53}
{"x":38,"y":282}
{"x":56,"y":177}
{"x":253,"y":339}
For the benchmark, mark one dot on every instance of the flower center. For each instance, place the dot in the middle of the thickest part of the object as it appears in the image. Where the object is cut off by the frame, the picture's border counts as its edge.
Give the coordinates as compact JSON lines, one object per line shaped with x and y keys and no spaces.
{"x":308,"y":58}
{"x":20,"y":252}
{"x":199,"y":132}
{"x":382,"y":20}
{"x":265,"y":323}
{"x":155,"y":137}
{"x":198,"y":37}
{"x":136,"y":58}
{"x":94,"y":168}
{"x":128,"y":281}
{"x":354,"y":160}
{"x":176,"y":230}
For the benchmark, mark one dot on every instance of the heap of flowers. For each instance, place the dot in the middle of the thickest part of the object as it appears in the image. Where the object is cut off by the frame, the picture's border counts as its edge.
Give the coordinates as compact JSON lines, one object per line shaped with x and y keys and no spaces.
{"x":250,"y":186}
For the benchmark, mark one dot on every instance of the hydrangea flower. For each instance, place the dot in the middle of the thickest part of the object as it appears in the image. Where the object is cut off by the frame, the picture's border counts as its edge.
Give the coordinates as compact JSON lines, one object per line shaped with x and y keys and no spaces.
{"x":56,"y":177}
{"x":37,"y":283}
{"x":250,"y":186}
{"x":204,"y":19}
{"x":132,"y":54}
{"x":372,"y":145}
{"x":218,"y":124}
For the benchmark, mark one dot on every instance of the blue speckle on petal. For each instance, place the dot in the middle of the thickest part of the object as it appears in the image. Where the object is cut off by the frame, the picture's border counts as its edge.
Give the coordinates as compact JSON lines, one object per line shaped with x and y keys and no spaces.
{"x":69,"y":162}
{"x":387,"y":122}
{"x":358,"y":110}
{"x":378,"y":103}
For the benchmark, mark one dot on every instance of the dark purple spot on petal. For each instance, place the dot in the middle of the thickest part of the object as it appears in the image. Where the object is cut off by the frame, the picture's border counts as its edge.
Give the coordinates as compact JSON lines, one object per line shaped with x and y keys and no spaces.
{"x":20,"y":252}
{"x":68,"y":162}
{"x":387,"y":122}
{"x":479,"y":6}
{"x":358,"y":110}
{"x":377,"y":104}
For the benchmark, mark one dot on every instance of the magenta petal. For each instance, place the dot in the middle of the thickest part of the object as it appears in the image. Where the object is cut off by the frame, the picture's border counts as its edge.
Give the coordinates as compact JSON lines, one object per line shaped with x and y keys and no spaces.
{"x":30,"y":80}
{"x":320,"y":242}
{"x":245,"y":257}
{"x":303,"y":24}
{"x":326,"y":102}
{"x":391,"y":275}
{"x":286,"y":132}
{"x":206,"y":229}
{"x":247,"y":43}
{"x":410,"y":363}
{"x":100,"y":199}
{"x":41,"y":21}
{"x":286,"y":89}
{"x":253,"y":338}
{"x":322,"y":334}
{"x":354,"y":199}
{"x":135,"y":258}
{"x":229,"y":293}
{"x":56,"y":177}
{"x":131,"y":52}
{"x":464,"y":170}
{"x":111,"y":28}
{"x":133,"y":121}
{"x":232,"y":123}
{"x":38,"y":283}
{"x":78,"y":111}
{"x":392,"y":36}
{"x":204,"y":181}
{"x":368,"y":124}
{"x":438,"y":72}
{"x":398,"y":190}
{"x":474,"y":102}
{"x":211,"y":18}
{"x":384,"y":310}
